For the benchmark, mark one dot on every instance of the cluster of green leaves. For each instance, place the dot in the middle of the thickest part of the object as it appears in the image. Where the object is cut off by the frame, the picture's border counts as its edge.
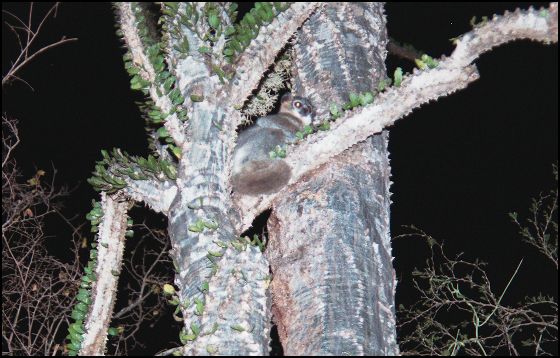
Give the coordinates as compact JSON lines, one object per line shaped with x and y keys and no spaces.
{"x":172,"y":30}
{"x":337,"y":111}
{"x":240,"y":35}
{"x":213,"y":22}
{"x":278,"y":152}
{"x":240,"y":244}
{"x":186,"y":336}
{"x":426,"y":62}
{"x":164,"y":83}
{"x":76,"y":329}
{"x":200,"y":225}
{"x":216,"y":26}
{"x":307,"y":130}
{"x":209,"y":25}
{"x":110,"y":173}
{"x":356,"y":100}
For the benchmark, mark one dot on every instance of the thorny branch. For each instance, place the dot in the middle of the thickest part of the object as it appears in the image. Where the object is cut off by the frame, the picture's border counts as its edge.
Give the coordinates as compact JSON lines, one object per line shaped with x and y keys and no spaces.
{"x":452,"y":74}
{"x":38,"y":289}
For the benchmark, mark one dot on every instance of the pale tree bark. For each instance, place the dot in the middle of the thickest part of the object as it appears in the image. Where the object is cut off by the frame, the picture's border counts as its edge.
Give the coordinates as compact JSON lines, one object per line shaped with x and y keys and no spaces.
{"x":104,"y":289}
{"x":330,"y":248}
{"x":333,"y":282}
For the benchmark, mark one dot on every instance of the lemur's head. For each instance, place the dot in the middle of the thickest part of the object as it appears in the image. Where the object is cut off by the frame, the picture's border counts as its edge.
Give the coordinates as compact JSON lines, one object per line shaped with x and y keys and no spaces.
{"x":297,"y":106}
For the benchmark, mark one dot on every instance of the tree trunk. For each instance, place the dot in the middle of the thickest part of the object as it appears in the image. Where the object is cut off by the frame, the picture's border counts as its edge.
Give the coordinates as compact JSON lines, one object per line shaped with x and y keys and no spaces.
{"x":333,"y":282}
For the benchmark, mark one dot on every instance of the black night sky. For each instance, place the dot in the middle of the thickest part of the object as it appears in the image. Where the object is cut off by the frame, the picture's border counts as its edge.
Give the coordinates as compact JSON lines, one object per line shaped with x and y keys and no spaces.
{"x":459,"y":165}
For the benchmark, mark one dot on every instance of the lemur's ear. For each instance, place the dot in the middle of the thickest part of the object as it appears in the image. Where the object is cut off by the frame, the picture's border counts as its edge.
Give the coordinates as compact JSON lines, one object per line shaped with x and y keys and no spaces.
{"x":287,"y":97}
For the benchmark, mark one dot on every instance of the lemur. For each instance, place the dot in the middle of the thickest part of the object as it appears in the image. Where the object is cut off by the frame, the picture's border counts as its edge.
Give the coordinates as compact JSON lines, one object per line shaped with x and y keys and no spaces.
{"x":254,"y":172}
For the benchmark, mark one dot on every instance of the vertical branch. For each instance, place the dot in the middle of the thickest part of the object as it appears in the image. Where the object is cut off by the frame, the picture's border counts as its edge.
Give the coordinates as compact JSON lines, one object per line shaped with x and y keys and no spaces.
{"x":220,"y":286}
{"x":109,"y":261}
{"x":333,"y":227}
{"x":263,"y":50}
{"x":147,"y":67}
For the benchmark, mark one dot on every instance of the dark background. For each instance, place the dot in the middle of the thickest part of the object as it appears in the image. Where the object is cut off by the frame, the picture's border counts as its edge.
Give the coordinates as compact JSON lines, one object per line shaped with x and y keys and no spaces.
{"x":458,"y":165}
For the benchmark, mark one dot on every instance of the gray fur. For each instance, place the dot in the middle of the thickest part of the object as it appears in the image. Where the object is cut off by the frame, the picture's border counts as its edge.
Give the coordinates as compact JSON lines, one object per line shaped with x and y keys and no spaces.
{"x":254,"y":172}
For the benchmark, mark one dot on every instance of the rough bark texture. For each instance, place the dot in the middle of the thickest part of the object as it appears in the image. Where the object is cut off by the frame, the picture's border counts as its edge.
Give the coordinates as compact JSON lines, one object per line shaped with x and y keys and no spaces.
{"x":206,"y":257}
{"x":109,"y":260}
{"x":333,"y":281}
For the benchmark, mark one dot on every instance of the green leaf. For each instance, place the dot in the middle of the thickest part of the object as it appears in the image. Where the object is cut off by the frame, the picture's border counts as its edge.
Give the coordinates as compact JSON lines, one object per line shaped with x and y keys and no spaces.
{"x":250,"y":18}
{"x":169,"y":170}
{"x":215,"y":253}
{"x":214,"y":21}
{"x":73,"y":346}
{"x":197,"y":98}
{"x":178,"y":100}
{"x":366,"y":98}
{"x":168,"y":289}
{"x":238,"y":328}
{"x":325,"y":126}
{"x":86,"y":300}
{"x":105,"y":154}
{"x":198,"y":226}
{"x":199,"y":306}
{"x":420,"y":64}
{"x":112,"y":331}
{"x":162,"y":132}
{"x":230,"y":30}
{"x":77,"y":327}
{"x":82,"y":307}
{"x":195,"y":328}
{"x":398,"y":76}
{"x":354,"y":99}
{"x":168,"y":84}
{"x":334,"y":109}
{"x":77,"y":315}
{"x":76,"y":338}
{"x":176,"y":151}
{"x":211,"y":224}
{"x":236,"y":45}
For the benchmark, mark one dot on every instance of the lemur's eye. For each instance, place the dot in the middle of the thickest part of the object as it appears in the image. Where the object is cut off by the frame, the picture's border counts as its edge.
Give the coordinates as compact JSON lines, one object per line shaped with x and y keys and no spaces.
{"x":297,"y":104}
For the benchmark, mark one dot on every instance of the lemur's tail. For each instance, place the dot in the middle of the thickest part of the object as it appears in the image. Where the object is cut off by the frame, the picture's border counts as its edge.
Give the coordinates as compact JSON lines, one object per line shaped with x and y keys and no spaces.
{"x":261,"y":177}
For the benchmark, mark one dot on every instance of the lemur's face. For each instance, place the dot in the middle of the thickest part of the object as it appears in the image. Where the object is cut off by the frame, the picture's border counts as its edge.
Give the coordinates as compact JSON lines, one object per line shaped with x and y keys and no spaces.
{"x":302,"y":106}
{"x":299,"y":107}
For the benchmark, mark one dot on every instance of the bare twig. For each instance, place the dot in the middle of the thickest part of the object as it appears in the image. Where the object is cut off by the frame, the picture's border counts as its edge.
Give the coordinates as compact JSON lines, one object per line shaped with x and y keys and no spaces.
{"x":483,"y":324}
{"x":26,"y":53}
{"x":37,"y":288}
